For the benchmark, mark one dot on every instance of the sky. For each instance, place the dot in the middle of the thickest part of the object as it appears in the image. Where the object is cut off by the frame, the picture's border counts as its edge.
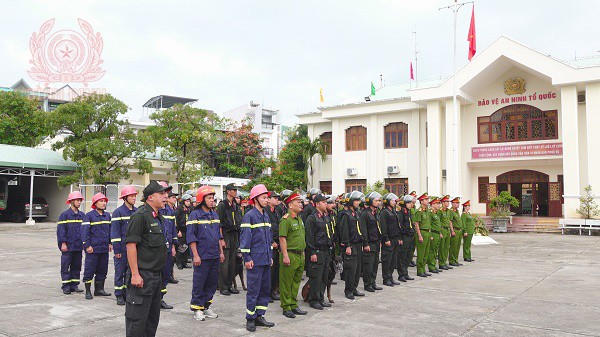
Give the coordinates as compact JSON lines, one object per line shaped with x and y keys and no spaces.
{"x":281,"y":53}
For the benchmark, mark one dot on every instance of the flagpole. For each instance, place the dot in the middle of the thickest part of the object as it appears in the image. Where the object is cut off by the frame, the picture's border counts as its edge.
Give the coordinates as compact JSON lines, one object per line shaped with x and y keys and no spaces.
{"x":454,"y":185}
{"x":416,"y":63}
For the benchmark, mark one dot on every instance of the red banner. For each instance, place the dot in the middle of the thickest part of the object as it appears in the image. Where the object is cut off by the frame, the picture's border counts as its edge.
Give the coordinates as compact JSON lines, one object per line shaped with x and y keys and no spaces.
{"x":511,"y":151}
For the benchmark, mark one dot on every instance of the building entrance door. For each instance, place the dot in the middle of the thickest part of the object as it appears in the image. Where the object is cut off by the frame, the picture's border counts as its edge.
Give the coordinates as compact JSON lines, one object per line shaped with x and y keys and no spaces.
{"x":530,"y":188}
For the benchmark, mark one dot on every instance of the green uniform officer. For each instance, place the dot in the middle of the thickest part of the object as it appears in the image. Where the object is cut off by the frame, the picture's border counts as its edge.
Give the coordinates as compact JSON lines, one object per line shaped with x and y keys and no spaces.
{"x":447,"y":233}
{"x":468,"y":230}
{"x":422,"y":221}
{"x":292,"y":242}
{"x":436,"y":235}
{"x":413,"y":211}
{"x":456,"y":240}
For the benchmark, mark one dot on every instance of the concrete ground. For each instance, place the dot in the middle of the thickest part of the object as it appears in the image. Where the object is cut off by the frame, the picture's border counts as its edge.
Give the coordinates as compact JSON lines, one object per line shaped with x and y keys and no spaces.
{"x":528,"y":284}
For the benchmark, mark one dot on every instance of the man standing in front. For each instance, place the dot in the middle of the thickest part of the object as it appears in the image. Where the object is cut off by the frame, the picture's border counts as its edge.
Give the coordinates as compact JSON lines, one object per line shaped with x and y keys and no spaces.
{"x":118,"y":229}
{"x":230,"y":216}
{"x":68,"y":234}
{"x":319,"y":239}
{"x":146,"y":254}
{"x":255,"y":244}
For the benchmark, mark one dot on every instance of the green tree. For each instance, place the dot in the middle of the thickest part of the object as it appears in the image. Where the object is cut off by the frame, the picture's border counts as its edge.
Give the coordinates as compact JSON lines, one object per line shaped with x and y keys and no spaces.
{"x":501,"y":204}
{"x":314,"y":148}
{"x":186,"y":136}
{"x":21,"y":122}
{"x":378,"y":186}
{"x":98,"y":140}
{"x":587,"y":205}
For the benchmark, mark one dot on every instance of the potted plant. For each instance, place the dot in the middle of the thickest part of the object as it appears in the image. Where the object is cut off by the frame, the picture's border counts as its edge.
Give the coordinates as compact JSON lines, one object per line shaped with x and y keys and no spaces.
{"x":501,"y":213}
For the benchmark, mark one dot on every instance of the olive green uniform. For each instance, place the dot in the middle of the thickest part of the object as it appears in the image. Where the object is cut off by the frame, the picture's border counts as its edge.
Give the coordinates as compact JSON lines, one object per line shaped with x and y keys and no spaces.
{"x":423,"y":217}
{"x":290,"y":276}
{"x":436,"y":228}
{"x":456,"y":240}
{"x":411,"y":254}
{"x":469,"y":228}
{"x":444,"y":249}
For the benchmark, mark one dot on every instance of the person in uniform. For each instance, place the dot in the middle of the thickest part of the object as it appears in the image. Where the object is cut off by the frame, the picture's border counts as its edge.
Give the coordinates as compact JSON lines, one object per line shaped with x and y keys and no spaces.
{"x":447,"y":233}
{"x":255,"y":244}
{"x":413,"y":211}
{"x":407,"y":238}
{"x":281,"y":209}
{"x":309,"y":208}
{"x":436,"y":235}
{"x":146,"y":255}
{"x":390,"y":241}
{"x":95,"y":233}
{"x":68,"y":235}
{"x":332,"y":214}
{"x":118,"y":229}
{"x":292,"y":242}
{"x":230,"y":216}
{"x":351,"y":244}
{"x":422,"y":222}
{"x":271,"y":212}
{"x":204,"y":238}
{"x":369,"y":220}
{"x":319,"y":241}
{"x":170,"y":231}
{"x":181,"y":216}
{"x":468,"y":230}
{"x":456,"y":240}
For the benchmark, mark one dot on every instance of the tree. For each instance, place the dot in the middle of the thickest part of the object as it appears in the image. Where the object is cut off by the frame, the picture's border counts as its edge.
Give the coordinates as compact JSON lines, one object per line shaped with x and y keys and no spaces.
{"x":186,"y":136}
{"x":313,"y":148}
{"x":238,"y":152}
{"x":93,"y":136}
{"x":501,"y":204}
{"x":587,"y":205}
{"x":21,"y":122}
{"x":378,"y":187}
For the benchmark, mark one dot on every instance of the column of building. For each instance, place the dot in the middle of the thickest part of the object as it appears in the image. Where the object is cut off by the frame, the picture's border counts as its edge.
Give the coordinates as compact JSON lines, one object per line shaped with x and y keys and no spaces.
{"x":570,"y":135}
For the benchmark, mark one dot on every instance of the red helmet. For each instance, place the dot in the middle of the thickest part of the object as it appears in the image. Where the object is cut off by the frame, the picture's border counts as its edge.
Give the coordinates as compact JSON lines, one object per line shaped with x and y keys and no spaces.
{"x":163,"y":184}
{"x":204,"y":191}
{"x":74,"y":196}
{"x":127,"y":191}
{"x":97,"y":197}
{"x":257,"y":190}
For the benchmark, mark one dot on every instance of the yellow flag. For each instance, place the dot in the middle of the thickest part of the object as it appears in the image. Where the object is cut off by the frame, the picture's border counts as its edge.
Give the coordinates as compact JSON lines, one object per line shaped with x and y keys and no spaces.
{"x":321,"y":95}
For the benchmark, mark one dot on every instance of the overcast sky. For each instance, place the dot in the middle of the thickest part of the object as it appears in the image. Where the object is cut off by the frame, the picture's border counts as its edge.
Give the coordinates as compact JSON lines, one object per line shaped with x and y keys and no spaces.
{"x":226,"y":53}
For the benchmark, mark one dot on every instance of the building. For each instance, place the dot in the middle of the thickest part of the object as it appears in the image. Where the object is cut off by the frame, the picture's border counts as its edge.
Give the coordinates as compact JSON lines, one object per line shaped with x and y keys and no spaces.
{"x":265,"y":122}
{"x":525,"y":125}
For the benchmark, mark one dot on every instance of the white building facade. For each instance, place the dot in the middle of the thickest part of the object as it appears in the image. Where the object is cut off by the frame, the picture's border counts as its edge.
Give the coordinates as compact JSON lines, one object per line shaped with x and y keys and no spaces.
{"x":525,"y":126}
{"x":265,"y":122}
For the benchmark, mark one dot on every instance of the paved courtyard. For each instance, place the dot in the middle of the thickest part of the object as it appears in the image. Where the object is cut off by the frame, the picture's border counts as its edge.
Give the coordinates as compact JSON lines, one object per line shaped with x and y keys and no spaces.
{"x":527,"y":285}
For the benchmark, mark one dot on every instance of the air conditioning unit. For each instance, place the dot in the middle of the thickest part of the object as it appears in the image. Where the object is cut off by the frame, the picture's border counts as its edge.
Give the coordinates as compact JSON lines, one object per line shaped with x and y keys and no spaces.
{"x":351,"y":171}
{"x":393,"y":169}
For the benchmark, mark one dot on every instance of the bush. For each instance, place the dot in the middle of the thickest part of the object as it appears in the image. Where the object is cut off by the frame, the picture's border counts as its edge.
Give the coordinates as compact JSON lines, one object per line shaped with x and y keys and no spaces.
{"x":587,"y":205}
{"x":501,"y":204}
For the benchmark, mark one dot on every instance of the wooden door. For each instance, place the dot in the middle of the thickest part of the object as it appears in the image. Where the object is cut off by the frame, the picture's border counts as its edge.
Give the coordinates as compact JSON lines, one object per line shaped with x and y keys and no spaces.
{"x":554,"y":197}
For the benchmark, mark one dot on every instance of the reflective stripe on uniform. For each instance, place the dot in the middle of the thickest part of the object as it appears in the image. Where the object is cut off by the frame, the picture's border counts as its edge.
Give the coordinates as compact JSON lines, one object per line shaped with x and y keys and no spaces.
{"x":68,"y":221}
{"x":202,"y":222}
{"x":245,"y":250}
{"x":115,"y":240}
{"x":121,"y":287}
{"x":169,"y":216}
{"x":67,"y":281}
{"x":121,"y":218}
{"x":250,"y":312}
{"x":262,"y":224}
{"x":100,"y":222}
{"x":164,"y":291}
{"x":88,"y":281}
{"x":260,"y":307}
{"x":196,"y":307}
{"x":75,"y":280}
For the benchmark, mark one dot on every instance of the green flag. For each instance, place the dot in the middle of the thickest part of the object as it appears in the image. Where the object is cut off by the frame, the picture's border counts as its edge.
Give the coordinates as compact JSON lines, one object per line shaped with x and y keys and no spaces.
{"x":372,"y":89}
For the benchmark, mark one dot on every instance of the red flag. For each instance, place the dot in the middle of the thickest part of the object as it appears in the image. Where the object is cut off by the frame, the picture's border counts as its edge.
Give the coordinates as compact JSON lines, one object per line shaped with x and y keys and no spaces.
{"x":412,"y":74}
{"x":471,"y":38}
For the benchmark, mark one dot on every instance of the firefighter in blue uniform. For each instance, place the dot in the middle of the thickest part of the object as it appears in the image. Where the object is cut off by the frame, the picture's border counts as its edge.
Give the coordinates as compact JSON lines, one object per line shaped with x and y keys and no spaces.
{"x":255,"y":244}
{"x":95,"y":234}
{"x":118,"y":229}
{"x":170,"y":232}
{"x":68,"y":234}
{"x":204,"y":238}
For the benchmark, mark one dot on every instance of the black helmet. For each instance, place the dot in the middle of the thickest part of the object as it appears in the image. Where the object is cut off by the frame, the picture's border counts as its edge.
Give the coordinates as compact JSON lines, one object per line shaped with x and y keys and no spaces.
{"x":355,"y":195}
{"x":345,"y":200}
{"x":312,"y":192}
{"x":389,"y":197}
{"x":372,"y":196}
{"x":285,"y":194}
{"x":405,"y":200}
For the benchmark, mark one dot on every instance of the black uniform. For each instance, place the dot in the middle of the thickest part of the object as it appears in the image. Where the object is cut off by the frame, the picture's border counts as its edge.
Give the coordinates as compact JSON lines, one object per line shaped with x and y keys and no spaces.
{"x":319,"y":242}
{"x":307,"y":210}
{"x":142,"y":311}
{"x":230,"y":216}
{"x":181,"y":216}
{"x":280,"y":210}
{"x":351,"y":235}
{"x":369,"y":220}
{"x":274,"y":219}
{"x":407,"y":234}
{"x":390,"y":232}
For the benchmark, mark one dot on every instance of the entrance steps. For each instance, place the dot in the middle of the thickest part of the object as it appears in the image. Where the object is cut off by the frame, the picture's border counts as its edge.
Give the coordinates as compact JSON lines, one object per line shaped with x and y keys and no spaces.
{"x":528,"y":224}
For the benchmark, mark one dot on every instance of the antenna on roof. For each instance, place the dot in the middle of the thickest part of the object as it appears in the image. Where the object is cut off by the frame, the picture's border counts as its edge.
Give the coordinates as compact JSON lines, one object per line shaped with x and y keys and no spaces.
{"x":416,"y":62}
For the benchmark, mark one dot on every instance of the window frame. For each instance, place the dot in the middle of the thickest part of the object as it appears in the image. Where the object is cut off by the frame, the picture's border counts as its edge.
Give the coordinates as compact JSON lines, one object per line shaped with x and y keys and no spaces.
{"x":355,"y":185}
{"x":397,"y":134}
{"x":327,"y":139}
{"x":356,"y":138}
{"x":398,"y":186}
{"x":510,"y":126}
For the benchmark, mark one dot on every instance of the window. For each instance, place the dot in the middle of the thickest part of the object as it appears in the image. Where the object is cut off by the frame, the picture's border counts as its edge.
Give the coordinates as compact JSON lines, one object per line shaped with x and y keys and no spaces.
{"x":355,"y":185}
{"x":356,"y":138}
{"x":396,"y":135}
{"x":325,"y":187}
{"x":482,"y":184}
{"x":398,"y":186}
{"x":327,"y":142}
{"x":516,"y":123}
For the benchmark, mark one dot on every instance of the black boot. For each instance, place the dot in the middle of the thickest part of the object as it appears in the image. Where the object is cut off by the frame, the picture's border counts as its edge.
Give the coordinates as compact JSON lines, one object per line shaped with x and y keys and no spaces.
{"x":88,"y":291}
{"x":99,"y":289}
{"x":261,"y":321}
{"x":250,"y":325}
{"x":120,"y":300}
